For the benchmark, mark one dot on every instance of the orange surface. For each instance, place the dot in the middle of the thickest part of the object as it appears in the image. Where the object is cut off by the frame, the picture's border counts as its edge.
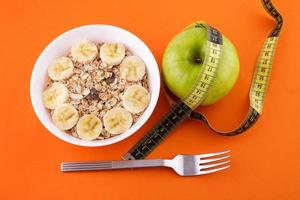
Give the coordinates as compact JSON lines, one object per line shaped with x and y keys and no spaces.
{"x":265,"y":162}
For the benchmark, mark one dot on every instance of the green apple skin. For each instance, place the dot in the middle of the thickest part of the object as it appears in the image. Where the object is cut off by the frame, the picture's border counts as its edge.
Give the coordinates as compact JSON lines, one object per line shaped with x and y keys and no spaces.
{"x":183,"y":59}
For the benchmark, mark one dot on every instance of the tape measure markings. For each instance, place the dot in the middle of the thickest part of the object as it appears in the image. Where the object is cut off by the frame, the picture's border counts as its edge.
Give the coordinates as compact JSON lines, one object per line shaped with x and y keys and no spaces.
{"x":159,"y":132}
{"x":208,"y":71}
{"x":262,"y":74}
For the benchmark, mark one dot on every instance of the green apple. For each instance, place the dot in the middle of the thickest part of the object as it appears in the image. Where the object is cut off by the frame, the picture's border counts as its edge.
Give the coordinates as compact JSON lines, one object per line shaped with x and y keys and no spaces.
{"x":183,"y":59}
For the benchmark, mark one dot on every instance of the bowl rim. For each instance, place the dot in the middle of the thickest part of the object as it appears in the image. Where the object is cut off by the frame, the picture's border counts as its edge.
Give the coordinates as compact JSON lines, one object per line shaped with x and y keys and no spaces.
{"x":105,"y":142}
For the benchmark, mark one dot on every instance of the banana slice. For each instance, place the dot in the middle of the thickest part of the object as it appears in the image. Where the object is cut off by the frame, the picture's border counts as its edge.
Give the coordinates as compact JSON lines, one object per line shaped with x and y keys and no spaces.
{"x":112,"y":53}
{"x":55,"y":95}
{"x":65,"y":116}
{"x":132,"y":68}
{"x":84,"y":51}
{"x":117,"y":121}
{"x":135,"y":99}
{"x":89,"y":127}
{"x":60,"y":69}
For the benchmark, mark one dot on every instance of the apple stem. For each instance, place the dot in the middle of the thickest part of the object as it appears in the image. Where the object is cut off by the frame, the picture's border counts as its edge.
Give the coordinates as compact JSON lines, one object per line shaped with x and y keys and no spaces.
{"x":198,"y":60}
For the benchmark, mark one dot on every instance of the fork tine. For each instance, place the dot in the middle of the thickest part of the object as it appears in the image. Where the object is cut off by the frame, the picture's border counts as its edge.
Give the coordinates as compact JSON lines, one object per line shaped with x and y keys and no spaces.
{"x":213,"y":170}
{"x":213,"y":154}
{"x":202,"y":161}
{"x":213,"y":165}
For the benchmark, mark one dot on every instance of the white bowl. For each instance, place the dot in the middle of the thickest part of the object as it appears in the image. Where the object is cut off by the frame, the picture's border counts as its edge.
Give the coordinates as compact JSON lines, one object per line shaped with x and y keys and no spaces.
{"x":61,"y":45}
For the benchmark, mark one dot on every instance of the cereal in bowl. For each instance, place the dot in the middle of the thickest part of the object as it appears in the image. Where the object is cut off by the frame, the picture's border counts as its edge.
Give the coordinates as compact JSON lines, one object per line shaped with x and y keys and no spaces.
{"x":97,"y":90}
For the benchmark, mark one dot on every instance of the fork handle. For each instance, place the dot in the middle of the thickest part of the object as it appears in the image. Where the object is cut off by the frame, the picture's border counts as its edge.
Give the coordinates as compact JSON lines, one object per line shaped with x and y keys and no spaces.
{"x":108,"y":165}
{"x":137,"y":163}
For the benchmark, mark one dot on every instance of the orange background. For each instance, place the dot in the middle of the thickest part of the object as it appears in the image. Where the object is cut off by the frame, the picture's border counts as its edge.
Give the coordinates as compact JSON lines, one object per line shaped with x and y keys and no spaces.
{"x":265,"y":162}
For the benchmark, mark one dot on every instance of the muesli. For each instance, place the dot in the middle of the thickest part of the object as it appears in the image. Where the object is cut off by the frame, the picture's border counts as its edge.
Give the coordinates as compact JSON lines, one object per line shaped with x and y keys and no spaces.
{"x":97,"y":90}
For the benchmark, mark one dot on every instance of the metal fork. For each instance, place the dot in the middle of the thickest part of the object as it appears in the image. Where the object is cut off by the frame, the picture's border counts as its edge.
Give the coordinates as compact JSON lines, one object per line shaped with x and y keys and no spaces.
{"x":184,"y":165}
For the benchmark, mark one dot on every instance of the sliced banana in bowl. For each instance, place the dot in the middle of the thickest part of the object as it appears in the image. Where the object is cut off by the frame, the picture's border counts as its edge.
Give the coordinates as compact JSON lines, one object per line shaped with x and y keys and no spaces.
{"x":84,"y":51}
{"x":117,"y":121}
{"x":112,"y":53}
{"x":89,"y":127}
{"x":65,"y":116}
{"x":136,"y":99}
{"x":55,"y":95}
{"x":108,"y":59}
{"x":132,"y":68}
{"x":60,"y":69}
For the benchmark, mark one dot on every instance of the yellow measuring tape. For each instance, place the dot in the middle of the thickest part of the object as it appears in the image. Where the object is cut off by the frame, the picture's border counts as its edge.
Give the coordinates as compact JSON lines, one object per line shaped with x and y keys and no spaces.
{"x":185,"y":107}
{"x":260,"y":79}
